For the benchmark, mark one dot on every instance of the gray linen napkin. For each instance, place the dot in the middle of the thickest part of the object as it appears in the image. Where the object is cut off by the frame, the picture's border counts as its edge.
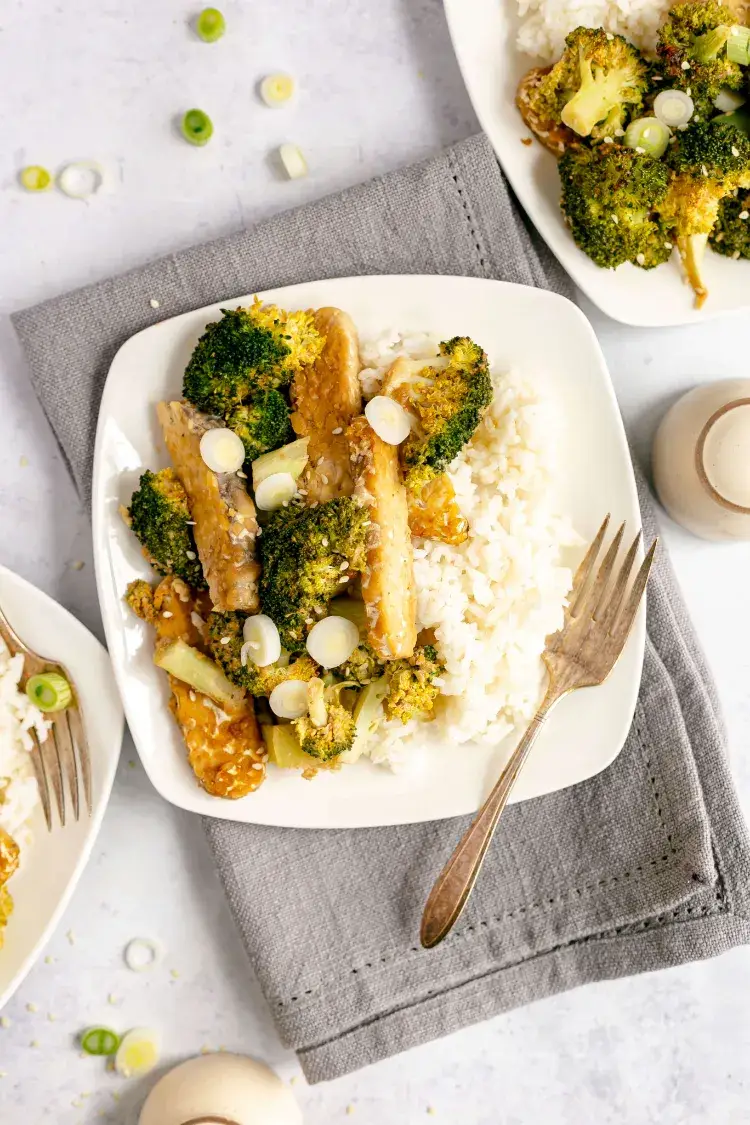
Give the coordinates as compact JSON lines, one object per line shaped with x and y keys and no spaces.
{"x":644,"y":866}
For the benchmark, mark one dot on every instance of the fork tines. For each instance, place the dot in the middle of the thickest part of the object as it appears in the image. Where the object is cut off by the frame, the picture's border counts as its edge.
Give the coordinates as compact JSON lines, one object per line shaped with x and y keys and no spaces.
{"x":603,"y":597}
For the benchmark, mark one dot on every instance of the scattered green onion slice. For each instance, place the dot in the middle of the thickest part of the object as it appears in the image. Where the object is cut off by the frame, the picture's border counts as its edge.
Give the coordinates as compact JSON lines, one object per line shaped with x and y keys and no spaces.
{"x":81,"y":179}
{"x":35,"y":178}
{"x":100,"y":1041}
{"x":649,"y":134}
{"x":293,"y":162}
{"x":276,"y":89}
{"x":138,"y":1052}
{"x":727,"y":101}
{"x":673,"y":107}
{"x":210,"y":25}
{"x":49,"y":691}
{"x":197,"y":127}
{"x":142,"y":954}
{"x":738,"y":45}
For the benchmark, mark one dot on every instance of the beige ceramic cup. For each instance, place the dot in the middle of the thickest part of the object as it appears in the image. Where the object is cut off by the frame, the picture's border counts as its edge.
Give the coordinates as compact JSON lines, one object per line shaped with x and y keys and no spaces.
{"x":701,"y":460}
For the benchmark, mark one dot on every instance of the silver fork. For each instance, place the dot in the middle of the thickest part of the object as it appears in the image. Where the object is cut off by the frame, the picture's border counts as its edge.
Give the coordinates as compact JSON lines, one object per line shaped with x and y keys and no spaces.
{"x":64,"y":753}
{"x":581,"y":654}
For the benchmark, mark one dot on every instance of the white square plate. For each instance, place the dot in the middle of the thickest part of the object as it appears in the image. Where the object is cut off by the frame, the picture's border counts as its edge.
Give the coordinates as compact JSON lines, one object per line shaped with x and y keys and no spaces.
{"x":484,"y":38}
{"x":540,"y":334}
{"x":53,"y":863}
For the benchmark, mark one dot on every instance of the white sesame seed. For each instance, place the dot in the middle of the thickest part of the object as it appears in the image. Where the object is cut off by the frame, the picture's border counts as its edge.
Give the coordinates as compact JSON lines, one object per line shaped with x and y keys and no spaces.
{"x":689,"y":91}
{"x":736,"y":255}
{"x":344,"y":578}
{"x":257,"y":765}
{"x":608,"y":141}
{"x":192,"y":696}
{"x":619,"y":132}
{"x":640,"y":150}
{"x":324,"y":541}
{"x":615,"y":219}
{"x":704,"y":169}
{"x":338,"y":430}
{"x":682,"y":128}
{"x":225,"y":640}
{"x":667,"y":245}
{"x":696,"y":117}
{"x":610,"y":36}
{"x":167,"y":613}
{"x":344,"y":565}
{"x":735,"y":150}
{"x":657,"y":78}
{"x":191,"y":555}
{"x":744,"y":214}
{"x":324,"y":478}
{"x":154,"y":303}
{"x":686,"y":65}
{"x":640,"y":259}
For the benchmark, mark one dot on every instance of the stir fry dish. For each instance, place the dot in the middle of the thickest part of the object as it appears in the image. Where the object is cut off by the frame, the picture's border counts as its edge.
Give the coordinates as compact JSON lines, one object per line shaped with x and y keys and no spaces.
{"x":654,"y":154}
{"x":283,"y":607}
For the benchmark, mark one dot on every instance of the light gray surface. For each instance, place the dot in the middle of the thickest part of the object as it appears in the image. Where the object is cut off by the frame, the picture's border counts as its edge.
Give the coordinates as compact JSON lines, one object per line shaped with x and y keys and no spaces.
{"x":668,"y":1048}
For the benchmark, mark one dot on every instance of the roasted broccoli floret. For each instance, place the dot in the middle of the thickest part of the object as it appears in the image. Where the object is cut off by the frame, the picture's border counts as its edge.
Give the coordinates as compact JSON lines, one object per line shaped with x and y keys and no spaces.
{"x":362,"y":666}
{"x":611,"y":197}
{"x":248,"y":351}
{"x":328,"y":729}
{"x":599,"y":81}
{"x":225,"y":641}
{"x":692,"y":48}
{"x":308,"y":556}
{"x":447,"y":401}
{"x":411,"y":688}
{"x":731,"y":233}
{"x":263,"y":424}
{"x":709,"y":161}
{"x":160,"y":519}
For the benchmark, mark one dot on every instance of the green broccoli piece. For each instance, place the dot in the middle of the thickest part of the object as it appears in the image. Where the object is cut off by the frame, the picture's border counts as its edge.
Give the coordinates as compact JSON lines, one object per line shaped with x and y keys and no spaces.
{"x":160,"y":519}
{"x":263,"y":425}
{"x":597,"y":84}
{"x":248,"y":351}
{"x":447,"y":401}
{"x":411,"y":688}
{"x":362,"y":666}
{"x":709,"y":161}
{"x":611,"y":196}
{"x":692,"y":48}
{"x":328,"y":728}
{"x":308,"y":555}
{"x":731,"y":233}
{"x":225,"y":640}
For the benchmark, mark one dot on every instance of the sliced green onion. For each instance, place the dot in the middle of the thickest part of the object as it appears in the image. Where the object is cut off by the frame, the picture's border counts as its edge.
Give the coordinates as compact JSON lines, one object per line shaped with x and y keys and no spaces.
{"x":276,"y":89}
{"x":727,"y":101}
{"x":35,"y":178}
{"x":738,"y":45}
{"x":210,"y":25}
{"x":81,"y":179}
{"x":100,"y":1041}
{"x":649,"y":135}
{"x":674,"y":107}
{"x":292,"y":161}
{"x":197,"y":127}
{"x":49,"y":691}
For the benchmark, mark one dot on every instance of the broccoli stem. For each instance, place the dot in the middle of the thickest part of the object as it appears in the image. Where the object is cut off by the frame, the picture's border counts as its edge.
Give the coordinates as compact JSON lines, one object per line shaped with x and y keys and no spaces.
{"x":593,"y":102}
{"x":692,"y":249}
{"x":706,"y":47}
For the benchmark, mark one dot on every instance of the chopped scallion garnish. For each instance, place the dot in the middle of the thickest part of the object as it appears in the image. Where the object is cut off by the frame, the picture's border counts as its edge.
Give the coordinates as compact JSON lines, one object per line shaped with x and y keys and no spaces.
{"x":738,"y":45}
{"x":210,"y":25}
{"x":649,"y":135}
{"x":100,"y":1041}
{"x":35,"y":178}
{"x":49,"y":691}
{"x":197,"y":127}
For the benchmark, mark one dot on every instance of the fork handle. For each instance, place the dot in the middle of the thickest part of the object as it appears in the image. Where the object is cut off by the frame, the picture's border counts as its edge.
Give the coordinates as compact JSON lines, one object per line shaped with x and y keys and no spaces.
{"x":456,"y":881}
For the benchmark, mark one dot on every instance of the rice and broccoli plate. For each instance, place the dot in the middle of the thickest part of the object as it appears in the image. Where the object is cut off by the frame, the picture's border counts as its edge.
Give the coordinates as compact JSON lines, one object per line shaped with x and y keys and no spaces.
{"x":356,"y":547}
{"x":654,"y":150}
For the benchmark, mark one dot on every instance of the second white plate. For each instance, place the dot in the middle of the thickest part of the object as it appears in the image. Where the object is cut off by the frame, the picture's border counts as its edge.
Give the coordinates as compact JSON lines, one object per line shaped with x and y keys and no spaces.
{"x":549,"y":341}
{"x":484,"y":38}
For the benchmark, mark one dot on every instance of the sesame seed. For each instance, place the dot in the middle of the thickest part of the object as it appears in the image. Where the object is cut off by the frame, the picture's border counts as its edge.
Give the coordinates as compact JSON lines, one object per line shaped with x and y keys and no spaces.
{"x":608,"y":141}
{"x":656,"y":78}
{"x":686,"y":65}
{"x":191,"y":555}
{"x":744,"y":214}
{"x":167,"y":613}
{"x":344,"y":578}
{"x":667,"y":245}
{"x":615,"y":219}
{"x":338,"y":430}
{"x":610,"y":36}
{"x":688,"y":91}
{"x":192,"y":696}
{"x":640,"y":259}
{"x":640,"y":150}
{"x":720,"y":237}
{"x":224,"y":640}
{"x":324,"y":541}
{"x":704,"y":169}
{"x":735,"y":150}
{"x":257,"y":765}
{"x":32,"y":1008}
{"x":682,"y":128}
{"x":696,"y":117}
{"x":736,"y":255}
{"x":154,"y":303}
{"x":344,"y":565}
{"x":619,"y":132}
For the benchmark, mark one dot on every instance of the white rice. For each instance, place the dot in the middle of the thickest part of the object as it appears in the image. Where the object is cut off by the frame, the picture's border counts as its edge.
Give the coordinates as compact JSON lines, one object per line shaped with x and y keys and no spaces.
{"x":19,"y":794}
{"x":545,"y":23}
{"x":494,"y":599}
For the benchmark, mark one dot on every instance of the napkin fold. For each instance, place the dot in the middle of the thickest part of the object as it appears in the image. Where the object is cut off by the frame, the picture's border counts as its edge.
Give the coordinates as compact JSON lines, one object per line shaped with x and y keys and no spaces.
{"x":644,"y":866}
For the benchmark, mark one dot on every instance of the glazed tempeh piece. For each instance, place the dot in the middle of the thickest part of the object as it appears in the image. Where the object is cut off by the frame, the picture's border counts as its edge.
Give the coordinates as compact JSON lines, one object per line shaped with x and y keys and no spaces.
{"x":326,"y":397}
{"x":225,"y":523}
{"x":388,"y":582}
